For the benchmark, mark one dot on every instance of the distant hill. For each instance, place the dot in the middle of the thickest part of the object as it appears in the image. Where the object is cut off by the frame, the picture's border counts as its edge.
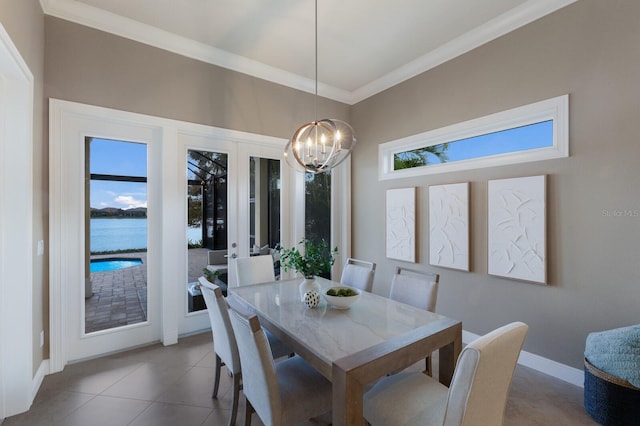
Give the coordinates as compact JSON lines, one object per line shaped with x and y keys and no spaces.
{"x":138,"y":212}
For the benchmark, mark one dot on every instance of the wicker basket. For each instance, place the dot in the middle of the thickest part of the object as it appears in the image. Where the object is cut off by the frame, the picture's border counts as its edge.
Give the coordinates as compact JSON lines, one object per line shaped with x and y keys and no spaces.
{"x":610,"y":400}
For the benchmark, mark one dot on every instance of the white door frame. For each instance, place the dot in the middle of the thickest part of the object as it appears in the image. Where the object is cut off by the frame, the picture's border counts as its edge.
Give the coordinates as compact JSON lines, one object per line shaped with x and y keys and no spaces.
{"x":70,"y":124}
{"x":65,"y":238}
{"x":340,"y":213}
{"x":16,"y":230}
{"x":272,"y":152}
{"x":239,"y":146}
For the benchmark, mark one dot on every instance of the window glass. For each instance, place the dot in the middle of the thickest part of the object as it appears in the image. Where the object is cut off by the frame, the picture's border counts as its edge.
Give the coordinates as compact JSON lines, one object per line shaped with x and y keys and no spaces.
{"x":116,"y":254}
{"x":206,"y":222}
{"x":532,"y":136}
{"x":318,"y":206}
{"x":533,"y":132}
{"x":264,"y":202}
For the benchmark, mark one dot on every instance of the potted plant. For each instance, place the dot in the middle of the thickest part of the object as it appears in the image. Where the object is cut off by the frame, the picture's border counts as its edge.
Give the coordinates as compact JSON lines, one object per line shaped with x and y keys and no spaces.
{"x":317,"y":259}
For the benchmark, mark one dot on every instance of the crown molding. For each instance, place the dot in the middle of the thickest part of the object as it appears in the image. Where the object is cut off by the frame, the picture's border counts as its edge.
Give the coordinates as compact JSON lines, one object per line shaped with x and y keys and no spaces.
{"x":83,"y":14}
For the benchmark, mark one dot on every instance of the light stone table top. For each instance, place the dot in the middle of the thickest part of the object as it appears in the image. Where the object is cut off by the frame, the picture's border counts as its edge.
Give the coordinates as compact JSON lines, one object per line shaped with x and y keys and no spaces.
{"x":355,"y":346}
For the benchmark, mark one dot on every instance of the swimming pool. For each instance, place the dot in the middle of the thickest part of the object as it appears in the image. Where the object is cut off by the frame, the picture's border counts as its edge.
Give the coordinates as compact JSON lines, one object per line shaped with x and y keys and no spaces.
{"x":113,"y":264}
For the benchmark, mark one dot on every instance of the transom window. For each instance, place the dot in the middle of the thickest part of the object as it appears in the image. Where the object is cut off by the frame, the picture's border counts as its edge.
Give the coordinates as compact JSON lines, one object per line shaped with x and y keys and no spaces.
{"x":533,"y":132}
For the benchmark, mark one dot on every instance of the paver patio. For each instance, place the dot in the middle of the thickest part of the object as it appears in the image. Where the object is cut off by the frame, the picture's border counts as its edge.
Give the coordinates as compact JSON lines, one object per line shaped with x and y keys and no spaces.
{"x":120,"y":297}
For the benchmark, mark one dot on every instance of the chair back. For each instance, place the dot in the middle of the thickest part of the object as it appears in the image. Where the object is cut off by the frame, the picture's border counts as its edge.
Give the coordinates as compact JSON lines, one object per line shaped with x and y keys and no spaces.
{"x":254,"y":270}
{"x":359,"y":274}
{"x":416,"y":288}
{"x":480,"y":385}
{"x":224,"y":340}
{"x":217,"y":257}
{"x":260,"y":383}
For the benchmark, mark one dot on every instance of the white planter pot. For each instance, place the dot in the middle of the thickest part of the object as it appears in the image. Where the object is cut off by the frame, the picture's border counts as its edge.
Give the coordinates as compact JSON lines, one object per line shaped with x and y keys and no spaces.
{"x":306,"y":285}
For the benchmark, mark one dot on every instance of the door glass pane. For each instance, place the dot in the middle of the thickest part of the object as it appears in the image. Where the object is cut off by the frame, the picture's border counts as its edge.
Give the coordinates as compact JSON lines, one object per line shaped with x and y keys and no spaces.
{"x":116,"y":234}
{"x":206,"y":222}
{"x":264,"y":208}
{"x":318,"y":207}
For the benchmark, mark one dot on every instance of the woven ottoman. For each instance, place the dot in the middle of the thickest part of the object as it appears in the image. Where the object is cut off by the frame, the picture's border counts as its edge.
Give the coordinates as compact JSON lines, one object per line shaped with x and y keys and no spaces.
{"x":609,"y":400}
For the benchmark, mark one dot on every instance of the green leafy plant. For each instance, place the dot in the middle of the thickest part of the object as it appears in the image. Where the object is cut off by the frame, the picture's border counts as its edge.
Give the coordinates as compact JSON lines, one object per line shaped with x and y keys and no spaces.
{"x":210,"y":276}
{"x":318,"y":258}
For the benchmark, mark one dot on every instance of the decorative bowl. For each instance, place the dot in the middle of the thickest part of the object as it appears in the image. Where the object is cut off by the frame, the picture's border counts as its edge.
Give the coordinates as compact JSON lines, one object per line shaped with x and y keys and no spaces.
{"x":341,"y":302}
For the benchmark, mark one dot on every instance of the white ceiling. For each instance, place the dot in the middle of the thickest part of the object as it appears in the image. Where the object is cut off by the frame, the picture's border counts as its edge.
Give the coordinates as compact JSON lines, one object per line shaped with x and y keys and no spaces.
{"x":364,"y":46}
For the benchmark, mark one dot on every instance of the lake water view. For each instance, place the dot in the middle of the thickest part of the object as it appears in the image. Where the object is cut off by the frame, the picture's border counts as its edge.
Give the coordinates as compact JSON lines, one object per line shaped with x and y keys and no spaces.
{"x":112,"y":234}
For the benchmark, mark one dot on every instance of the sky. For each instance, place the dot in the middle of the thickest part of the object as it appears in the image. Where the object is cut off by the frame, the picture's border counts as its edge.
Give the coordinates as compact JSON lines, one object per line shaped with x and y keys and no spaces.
{"x":118,"y":158}
{"x":522,"y":138}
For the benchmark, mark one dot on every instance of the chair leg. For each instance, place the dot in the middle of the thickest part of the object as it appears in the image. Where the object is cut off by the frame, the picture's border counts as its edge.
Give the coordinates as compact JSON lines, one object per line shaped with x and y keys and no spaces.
{"x":248,"y":410}
{"x":216,"y":377}
{"x":234,"y":401}
{"x":428,"y":368}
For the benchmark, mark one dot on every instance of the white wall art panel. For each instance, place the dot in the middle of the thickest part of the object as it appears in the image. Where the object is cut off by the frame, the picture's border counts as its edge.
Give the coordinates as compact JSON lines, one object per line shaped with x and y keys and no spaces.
{"x":517,"y":228}
{"x":449,"y":225}
{"x":401,"y":224}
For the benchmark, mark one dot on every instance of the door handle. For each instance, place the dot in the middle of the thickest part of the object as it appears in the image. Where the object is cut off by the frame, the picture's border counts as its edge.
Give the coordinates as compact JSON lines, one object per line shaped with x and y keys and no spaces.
{"x":232,"y":255}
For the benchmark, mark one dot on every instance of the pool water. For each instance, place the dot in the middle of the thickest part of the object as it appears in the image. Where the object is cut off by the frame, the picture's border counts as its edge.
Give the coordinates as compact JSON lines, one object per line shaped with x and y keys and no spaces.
{"x":113,"y":264}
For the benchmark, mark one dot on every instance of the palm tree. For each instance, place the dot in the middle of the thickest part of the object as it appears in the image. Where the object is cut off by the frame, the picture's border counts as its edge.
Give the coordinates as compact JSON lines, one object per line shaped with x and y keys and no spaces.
{"x":420,"y":157}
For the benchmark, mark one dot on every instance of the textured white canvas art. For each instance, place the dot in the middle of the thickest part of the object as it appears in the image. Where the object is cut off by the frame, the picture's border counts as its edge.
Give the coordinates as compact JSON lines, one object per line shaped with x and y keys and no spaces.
{"x":449,"y":225}
{"x":401,"y":224}
{"x":517,"y":228}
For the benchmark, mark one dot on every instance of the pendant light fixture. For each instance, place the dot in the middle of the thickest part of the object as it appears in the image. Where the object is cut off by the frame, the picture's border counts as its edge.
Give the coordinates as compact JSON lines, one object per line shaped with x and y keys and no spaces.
{"x":320,"y":145}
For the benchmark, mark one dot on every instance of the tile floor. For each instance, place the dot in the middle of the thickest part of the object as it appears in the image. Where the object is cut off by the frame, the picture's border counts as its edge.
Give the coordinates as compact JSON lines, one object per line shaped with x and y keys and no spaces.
{"x":171,"y":385}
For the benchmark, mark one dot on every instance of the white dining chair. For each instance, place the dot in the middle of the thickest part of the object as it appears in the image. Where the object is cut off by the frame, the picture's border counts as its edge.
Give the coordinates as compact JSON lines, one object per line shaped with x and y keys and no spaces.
{"x":283,"y":393}
{"x":477,"y":395}
{"x":416,"y":288}
{"x":358,"y":273}
{"x":217,"y":261}
{"x":254,"y":270}
{"x":224,"y":343}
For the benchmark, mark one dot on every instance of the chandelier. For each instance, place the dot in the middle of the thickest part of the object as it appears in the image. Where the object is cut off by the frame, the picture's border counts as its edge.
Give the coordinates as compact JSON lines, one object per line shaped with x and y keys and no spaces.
{"x":320,"y":145}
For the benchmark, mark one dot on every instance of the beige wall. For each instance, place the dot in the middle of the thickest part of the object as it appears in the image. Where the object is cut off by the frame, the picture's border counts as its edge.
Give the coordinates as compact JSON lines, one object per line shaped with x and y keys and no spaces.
{"x":588,"y":50}
{"x":23,"y":20}
{"x":93,"y":67}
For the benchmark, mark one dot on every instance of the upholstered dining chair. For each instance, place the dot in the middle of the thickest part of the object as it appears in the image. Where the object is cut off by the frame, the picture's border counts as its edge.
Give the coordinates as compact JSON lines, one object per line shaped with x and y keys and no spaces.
{"x":416,"y":288}
{"x":285,"y":393}
{"x":477,"y":395}
{"x":358,"y":273}
{"x":254,"y":270}
{"x":224,"y":342}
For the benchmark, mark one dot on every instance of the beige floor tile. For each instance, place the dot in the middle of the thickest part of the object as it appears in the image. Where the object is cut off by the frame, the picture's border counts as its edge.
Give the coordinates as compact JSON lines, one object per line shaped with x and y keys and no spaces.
{"x":106,"y":411}
{"x":147,"y":382}
{"x":189,"y":354}
{"x":159,"y":414}
{"x":194,"y":388}
{"x":50,"y":407}
{"x":90,"y":377}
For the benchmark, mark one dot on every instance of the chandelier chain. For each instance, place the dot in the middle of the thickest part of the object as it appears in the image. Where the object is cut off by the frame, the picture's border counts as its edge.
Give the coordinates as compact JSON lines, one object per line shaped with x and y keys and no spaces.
{"x":316,"y":59}
{"x":321,"y":145}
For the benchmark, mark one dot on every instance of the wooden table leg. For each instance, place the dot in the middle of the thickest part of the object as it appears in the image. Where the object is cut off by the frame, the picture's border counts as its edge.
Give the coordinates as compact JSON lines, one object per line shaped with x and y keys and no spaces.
{"x":448,"y":357}
{"x":347,"y":399}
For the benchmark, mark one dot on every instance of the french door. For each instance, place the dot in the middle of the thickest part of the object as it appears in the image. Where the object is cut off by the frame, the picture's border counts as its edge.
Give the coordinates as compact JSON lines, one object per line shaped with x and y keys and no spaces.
{"x":236,"y":191}
{"x":106,"y":179}
{"x":151,"y":168}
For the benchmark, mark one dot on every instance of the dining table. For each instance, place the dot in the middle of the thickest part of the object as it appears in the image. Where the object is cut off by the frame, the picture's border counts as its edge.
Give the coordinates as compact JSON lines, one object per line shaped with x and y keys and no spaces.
{"x":353,"y":347}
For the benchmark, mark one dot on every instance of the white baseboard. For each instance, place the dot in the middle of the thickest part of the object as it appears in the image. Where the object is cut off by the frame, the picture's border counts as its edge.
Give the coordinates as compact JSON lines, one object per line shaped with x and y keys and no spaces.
{"x":43,"y":370}
{"x":547,"y":366}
